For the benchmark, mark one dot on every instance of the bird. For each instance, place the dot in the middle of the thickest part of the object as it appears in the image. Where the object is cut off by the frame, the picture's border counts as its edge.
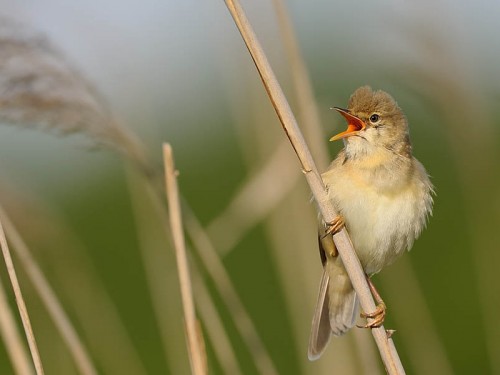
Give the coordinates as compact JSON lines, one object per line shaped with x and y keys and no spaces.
{"x":383,"y":196}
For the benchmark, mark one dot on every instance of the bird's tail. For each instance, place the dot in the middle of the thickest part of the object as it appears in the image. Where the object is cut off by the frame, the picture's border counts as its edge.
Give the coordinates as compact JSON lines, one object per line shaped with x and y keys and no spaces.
{"x":343,"y":301}
{"x":336,"y":309}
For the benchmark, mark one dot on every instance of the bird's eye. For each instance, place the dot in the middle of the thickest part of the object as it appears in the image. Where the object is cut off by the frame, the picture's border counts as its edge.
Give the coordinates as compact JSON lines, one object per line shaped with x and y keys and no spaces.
{"x":374,"y":118}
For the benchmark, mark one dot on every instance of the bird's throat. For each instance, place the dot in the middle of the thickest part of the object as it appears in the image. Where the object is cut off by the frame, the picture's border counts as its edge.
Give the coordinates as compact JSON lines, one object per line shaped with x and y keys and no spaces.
{"x":363,"y":156}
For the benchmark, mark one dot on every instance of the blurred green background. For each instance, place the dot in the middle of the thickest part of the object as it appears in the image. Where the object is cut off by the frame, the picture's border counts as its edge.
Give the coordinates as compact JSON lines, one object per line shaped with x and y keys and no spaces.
{"x":178,"y":72}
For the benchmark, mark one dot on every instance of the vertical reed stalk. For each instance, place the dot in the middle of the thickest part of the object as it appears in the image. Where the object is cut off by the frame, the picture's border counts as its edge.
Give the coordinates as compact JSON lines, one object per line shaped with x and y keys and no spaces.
{"x":193,"y":333}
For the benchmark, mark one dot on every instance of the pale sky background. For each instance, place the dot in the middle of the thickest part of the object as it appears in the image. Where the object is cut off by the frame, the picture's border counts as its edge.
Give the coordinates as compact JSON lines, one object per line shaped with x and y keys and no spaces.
{"x":166,"y":64}
{"x":173,"y":53}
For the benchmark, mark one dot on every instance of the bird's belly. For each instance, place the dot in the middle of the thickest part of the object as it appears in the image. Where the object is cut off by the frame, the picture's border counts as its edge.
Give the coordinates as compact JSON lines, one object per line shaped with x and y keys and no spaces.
{"x":381,"y":226}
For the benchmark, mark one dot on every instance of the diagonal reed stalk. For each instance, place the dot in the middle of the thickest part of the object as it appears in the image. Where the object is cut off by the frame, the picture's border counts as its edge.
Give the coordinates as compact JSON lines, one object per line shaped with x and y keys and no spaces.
{"x":385,"y":344}
{"x":296,"y":268}
{"x":193,"y":334}
{"x":313,"y":132}
{"x":242,"y":213}
{"x":302,"y":87}
{"x":13,"y":343}
{"x":21,"y":305}
{"x":74,"y":276}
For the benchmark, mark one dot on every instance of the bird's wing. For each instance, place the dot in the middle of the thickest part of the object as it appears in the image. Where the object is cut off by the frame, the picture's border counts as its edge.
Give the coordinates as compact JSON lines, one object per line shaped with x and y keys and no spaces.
{"x":320,"y":330}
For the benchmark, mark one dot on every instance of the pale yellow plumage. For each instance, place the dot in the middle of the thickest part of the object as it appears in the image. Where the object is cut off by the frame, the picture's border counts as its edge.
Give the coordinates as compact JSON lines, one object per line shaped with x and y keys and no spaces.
{"x":384,"y":196}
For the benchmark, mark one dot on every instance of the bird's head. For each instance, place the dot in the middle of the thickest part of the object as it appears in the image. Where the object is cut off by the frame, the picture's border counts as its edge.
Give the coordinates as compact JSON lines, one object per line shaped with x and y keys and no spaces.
{"x":374,"y":121}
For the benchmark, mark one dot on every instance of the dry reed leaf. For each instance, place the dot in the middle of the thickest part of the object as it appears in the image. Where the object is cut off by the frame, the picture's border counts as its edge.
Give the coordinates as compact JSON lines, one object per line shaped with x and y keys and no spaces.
{"x":38,"y":88}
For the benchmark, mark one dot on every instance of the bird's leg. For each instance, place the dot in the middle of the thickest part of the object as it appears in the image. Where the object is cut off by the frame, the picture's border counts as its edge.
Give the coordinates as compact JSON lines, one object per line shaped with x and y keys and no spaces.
{"x":334,"y":226}
{"x":326,"y":244}
{"x":378,"y":315}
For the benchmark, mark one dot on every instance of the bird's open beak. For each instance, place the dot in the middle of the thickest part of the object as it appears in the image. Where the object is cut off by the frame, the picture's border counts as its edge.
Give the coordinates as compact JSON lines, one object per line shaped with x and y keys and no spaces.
{"x":354,"y":124}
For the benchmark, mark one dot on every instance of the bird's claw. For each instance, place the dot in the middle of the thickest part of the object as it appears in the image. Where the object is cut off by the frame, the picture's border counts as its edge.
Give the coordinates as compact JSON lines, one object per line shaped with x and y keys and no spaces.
{"x":378,"y":316}
{"x":334,"y":226}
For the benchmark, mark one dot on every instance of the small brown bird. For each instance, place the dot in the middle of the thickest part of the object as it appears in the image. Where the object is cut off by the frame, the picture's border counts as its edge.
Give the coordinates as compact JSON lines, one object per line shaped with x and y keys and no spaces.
{"x":382,"y":195}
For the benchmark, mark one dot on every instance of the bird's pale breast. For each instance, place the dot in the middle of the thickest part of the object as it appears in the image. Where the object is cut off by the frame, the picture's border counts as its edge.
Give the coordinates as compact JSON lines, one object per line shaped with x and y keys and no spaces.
{"x":383,"y":213}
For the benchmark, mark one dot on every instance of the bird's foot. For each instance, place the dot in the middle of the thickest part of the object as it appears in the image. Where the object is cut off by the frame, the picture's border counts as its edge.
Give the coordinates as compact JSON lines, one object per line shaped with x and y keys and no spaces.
{"x":335,"y":226}
{"x":378,"y":316}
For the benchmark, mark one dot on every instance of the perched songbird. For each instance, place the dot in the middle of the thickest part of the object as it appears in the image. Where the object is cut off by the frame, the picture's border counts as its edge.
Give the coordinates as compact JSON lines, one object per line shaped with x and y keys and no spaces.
{"x":382,"y":195}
